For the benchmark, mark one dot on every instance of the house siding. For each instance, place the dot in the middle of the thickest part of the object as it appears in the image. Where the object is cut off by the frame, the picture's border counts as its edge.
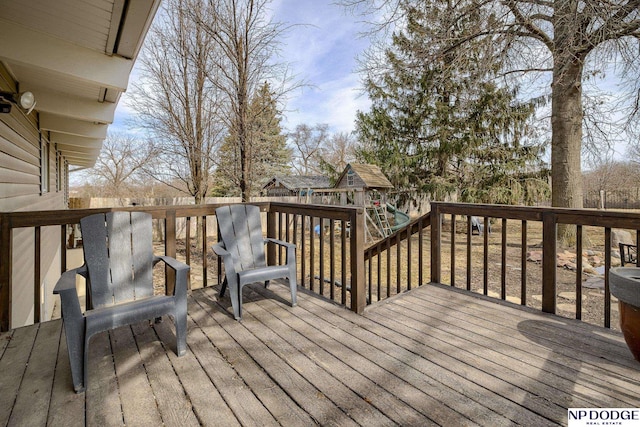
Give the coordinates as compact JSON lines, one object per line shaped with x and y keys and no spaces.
{"x":20,"y":190}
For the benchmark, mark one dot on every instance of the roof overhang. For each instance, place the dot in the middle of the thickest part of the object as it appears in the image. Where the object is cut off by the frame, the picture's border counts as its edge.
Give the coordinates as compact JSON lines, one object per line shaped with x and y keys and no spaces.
{"x":76,"y":58}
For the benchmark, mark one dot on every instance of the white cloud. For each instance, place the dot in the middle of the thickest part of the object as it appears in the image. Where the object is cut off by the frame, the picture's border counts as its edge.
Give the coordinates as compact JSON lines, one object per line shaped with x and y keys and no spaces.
{"x":322,"y":47}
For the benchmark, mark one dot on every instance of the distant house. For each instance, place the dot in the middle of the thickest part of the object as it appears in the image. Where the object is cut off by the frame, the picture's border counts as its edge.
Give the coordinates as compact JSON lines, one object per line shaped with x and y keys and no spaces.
{"x":282,"y":186}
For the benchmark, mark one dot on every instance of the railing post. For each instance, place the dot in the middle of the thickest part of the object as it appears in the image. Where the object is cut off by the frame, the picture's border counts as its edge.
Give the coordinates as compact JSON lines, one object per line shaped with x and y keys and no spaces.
{"x":549,"y":261}
{"x":170,"y":248}
{"x":358,"y":291}
{"x":6,"y":246}
{"x":436,"y":243}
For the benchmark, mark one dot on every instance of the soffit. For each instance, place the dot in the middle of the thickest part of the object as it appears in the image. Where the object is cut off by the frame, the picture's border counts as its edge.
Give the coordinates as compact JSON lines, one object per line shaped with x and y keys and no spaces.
{"x":75,"y":56}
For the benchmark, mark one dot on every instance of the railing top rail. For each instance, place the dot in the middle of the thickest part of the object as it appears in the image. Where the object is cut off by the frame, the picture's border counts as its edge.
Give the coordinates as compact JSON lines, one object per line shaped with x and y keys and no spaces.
{"x":71,"y":216}
{"x":20,"y":219}
{"x":593,"y":217}
{"x":328,"y":211}
{"x":412,"y":227}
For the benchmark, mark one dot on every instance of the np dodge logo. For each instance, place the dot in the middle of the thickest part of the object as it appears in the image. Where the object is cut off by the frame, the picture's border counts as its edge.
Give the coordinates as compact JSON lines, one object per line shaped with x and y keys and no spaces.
{"x":626,"y":417}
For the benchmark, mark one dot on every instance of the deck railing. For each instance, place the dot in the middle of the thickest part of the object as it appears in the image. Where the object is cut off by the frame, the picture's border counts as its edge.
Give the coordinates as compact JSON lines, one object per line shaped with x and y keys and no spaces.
{"x":398,"y":262}
{"x":332,"y":261}
{"x":593,"y":229}
{"x":291,"y":222}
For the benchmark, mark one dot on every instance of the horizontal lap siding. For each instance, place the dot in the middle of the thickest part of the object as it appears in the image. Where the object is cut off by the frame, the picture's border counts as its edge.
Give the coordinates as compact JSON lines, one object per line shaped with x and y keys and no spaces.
{"x":20,"y":191}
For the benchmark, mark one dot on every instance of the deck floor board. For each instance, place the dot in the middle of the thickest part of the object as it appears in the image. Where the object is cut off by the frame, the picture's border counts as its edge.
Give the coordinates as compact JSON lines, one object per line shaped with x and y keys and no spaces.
{"x":431,"y":356}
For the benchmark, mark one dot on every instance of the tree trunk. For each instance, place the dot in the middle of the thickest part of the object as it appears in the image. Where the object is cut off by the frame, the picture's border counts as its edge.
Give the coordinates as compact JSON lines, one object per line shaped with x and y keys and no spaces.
{"x":566,"y":140}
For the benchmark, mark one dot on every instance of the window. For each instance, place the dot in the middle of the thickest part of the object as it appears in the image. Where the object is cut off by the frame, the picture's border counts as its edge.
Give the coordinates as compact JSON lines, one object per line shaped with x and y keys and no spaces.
{"x":44,"y":166}
{"x":351,"y":176}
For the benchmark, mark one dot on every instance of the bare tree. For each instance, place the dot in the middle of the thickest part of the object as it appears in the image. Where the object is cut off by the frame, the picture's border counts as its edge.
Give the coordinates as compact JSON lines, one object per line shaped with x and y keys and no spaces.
{"x":568,"y":39}
{"x":307,"y":143}
{"x":246,"y":43}
{"x":175,"y":100}
{"x":337,"y":153}
{"x":120,"y":163}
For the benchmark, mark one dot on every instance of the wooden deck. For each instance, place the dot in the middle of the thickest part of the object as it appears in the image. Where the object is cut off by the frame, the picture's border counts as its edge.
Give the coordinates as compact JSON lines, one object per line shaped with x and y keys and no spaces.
{"x":432,"y":356}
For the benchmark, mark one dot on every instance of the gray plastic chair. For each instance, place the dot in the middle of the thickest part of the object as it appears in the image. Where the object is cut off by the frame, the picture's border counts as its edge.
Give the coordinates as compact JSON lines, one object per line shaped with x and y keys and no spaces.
{"x":241,"y":248}
{"x":477,"y":225}
{"x":119,"y":260}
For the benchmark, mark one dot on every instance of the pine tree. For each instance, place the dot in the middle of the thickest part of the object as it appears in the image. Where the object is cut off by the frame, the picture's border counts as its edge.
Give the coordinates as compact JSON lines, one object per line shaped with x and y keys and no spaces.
{"x":445,"y":127}
{"x":267,"y":151}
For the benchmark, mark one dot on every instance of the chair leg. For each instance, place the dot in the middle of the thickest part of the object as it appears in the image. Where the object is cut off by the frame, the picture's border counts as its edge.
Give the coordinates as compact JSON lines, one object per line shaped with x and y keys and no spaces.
{"x":293,"y":284}
{"x":236,"y":301}
{"x":238,"y":309}
{"x":86,"y":364}
{"x":223,"y":288}
{"x":75,"y":331}
{"x":181,"y":333}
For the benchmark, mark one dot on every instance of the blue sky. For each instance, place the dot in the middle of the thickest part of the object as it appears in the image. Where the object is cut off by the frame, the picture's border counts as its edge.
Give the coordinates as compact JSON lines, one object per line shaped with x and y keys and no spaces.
{"x":321,"y":48}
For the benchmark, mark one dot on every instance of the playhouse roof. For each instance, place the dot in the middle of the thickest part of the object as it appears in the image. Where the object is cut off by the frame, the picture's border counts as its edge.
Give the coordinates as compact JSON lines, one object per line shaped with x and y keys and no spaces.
{"x":371,"y":175}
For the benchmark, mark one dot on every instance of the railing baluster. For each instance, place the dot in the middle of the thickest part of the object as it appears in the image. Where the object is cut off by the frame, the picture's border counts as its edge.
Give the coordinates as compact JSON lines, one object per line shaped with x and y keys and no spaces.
{"x":607,"y":267}
{"x":205,"y":251}
{"x":436,"y":243}
{"x":37,"y":274}
{"x":312,"y":255}
{"x":503,"y":271}
{"x":343,"y":254}
{"x":579,"y":272}
{"x":409,"y":256}
{"x":469,"y":236}
{"x":187,"y":244}
{"x":420,"y":253}
{"x":637,"y":247}
{"x":379,"y":279}
{"x":485,"y":257}
{"x":452,"y":278}
{"x":321,"y":266}
{"x":398,"y":264}
{"x":388,"y":252}
{"x":369,"y":279}
{"x":303,"y":248}
{"x":332,"y":256}
{"x":523,"y":263}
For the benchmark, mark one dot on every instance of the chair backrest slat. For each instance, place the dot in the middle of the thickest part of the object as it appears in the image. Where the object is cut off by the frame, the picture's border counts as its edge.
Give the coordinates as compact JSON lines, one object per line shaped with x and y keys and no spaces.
{"x":241,"y":232}
{"x":119,"y":256}
{"x":96,"y":257}
{"x":142,"y":247}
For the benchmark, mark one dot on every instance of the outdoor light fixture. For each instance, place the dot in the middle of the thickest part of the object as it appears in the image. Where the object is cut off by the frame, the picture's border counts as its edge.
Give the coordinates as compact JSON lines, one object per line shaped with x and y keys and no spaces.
{"x":24,"y":100}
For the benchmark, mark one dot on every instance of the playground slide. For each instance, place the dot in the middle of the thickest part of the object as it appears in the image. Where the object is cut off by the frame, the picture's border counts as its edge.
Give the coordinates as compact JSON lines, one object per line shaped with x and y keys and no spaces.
{"x":401,"y":218}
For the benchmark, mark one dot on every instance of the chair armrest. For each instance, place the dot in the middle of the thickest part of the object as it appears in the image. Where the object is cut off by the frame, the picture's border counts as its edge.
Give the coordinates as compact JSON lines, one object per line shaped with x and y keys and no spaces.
{"x":67,"y":282}
{"x":279,"y":242}
{"x":181,"y":269}
{"x":66,"y":288}
{"x":176,"y":265}
{"x":291,"y":248}
{"x":227,"y":259}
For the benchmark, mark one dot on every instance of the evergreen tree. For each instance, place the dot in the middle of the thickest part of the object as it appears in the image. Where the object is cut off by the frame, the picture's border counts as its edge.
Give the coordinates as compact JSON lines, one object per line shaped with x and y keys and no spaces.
{"x":445,"y":127}
{"x":267,"y":152}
